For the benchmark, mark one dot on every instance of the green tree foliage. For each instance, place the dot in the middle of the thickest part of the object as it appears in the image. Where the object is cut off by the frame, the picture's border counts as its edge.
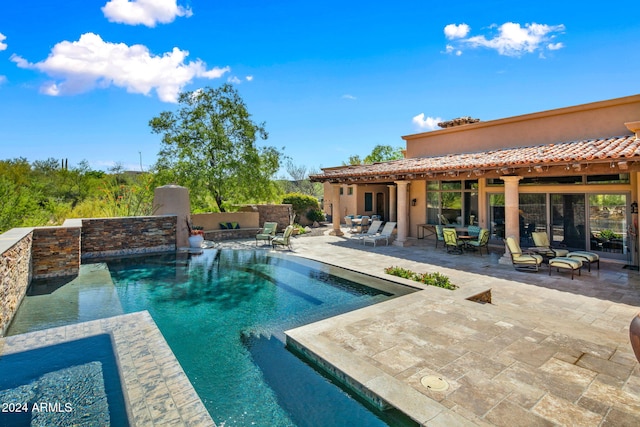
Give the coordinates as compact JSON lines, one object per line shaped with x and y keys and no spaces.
{"x":209,"y":146}
{"x":380,"y":153}
{"x":48,"y":192}
{"x":298,"y":181}
{"x":302,"y":204}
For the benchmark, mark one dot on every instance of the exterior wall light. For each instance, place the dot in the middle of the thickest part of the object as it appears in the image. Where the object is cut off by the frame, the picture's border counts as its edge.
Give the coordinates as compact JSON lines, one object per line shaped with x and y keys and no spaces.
{"x":634,"y":207}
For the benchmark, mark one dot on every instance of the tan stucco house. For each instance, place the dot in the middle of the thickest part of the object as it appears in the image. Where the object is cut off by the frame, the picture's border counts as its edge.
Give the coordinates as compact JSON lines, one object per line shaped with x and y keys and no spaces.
{"x":573,"y":172}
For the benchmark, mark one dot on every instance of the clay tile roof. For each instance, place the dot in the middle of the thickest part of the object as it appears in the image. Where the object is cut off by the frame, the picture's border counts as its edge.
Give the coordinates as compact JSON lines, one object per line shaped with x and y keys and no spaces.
{"x":574,"y":151}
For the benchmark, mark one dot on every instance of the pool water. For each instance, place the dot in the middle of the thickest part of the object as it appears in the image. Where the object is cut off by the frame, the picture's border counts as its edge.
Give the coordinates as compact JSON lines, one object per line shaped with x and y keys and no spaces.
{"x":77,"y":385}
{"x":223,"y":313}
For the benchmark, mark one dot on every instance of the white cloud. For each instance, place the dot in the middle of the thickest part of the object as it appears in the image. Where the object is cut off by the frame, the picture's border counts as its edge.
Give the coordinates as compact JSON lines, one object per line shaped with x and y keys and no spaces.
{"x":426,"y":123}
{"x":349,"y":97}
{"x":91,"y":62}
{"x":3,"y":46}
{"x":3,"y":79}
{"x":234,"y":80}
{"x":453,"y":31}
{"x":511,"y":39}
{"x":145,"y":12}
{"x":249,"y":78}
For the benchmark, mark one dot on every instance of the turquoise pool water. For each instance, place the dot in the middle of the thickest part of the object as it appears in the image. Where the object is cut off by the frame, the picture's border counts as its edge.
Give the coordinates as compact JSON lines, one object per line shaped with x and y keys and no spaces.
{"x":223,"y":314}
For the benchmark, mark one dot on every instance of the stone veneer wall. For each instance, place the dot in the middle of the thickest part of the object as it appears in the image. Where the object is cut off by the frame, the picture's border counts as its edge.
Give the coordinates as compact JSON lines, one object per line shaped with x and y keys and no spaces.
{"x":15,"y":262}
{"x":274,"y":213}
{"x":103,"y":237}
{"x":55,"y":252}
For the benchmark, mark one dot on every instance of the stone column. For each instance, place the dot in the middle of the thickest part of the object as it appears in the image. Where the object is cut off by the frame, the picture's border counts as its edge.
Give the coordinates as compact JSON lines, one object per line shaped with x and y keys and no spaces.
{"x":403,"y":208}
{"x":174,"y":200}
{"x":511,"y":213}
{"x":336,"y":215}
{"x":392,"y":203}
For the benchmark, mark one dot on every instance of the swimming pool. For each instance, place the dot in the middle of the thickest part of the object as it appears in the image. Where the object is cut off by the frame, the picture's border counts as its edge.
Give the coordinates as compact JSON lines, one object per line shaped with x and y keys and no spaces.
{"x":223,"y":313}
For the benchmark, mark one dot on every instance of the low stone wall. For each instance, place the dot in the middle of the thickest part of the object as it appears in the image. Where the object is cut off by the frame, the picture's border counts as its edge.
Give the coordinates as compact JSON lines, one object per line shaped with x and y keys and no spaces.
{"x":104,"y":237}
{"x":274,"y":213}
{"x":15,"y":261}
{"x":55,"y":252}
{"x":240,"y":233}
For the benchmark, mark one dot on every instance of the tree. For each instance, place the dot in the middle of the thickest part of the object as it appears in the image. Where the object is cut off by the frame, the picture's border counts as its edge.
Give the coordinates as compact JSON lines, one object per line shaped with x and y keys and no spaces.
{"x":208,"y":145}
{"x":380,"y":153}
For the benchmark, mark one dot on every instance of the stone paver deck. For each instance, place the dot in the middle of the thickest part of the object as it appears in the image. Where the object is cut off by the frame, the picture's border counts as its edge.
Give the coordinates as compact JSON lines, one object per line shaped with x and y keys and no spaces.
{"x":548,"y":350}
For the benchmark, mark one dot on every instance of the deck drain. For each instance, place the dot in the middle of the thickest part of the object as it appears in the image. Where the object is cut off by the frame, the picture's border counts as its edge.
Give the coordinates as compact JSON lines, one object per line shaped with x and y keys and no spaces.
{"x":434,"y":383}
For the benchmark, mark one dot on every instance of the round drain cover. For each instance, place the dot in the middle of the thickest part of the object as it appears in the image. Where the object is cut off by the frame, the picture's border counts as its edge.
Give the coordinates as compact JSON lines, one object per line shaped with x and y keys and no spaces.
{"x":434,"y":383}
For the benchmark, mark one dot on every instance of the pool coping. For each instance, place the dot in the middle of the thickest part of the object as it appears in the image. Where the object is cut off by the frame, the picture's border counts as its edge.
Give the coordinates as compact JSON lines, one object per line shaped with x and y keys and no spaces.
{"x":155,"y":387}
{"x":371,"y":383}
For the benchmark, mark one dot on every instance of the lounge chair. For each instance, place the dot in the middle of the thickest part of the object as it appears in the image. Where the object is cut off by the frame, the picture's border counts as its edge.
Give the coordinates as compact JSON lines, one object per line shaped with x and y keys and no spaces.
{"x":372,"y":231}
{"x":386,"y":232}
{"x":451,"y":241}
{"x":268,"y":232}
{"x":482,"y":242}
{"x":521,"y":260}
{"x":285,"y":239}
{"x":541,"y":242}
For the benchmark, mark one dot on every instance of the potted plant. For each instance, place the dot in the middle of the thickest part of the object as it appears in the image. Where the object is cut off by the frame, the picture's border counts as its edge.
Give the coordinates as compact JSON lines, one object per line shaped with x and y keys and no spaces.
{"x":196,"y":237}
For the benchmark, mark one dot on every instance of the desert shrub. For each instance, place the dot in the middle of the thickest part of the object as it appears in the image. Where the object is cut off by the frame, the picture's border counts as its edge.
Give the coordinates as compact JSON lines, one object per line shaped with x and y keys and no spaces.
{"x":301,"y":203}
{"x":315,"y":215}
{"x":431,"y":279}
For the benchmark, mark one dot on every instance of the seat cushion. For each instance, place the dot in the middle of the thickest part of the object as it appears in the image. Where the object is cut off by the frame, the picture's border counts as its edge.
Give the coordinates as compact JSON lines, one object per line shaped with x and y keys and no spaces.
{"x":589,"y":256}
{"x":560,"y":252}
{"x":527,"y":259}
{"x":565,"y":262}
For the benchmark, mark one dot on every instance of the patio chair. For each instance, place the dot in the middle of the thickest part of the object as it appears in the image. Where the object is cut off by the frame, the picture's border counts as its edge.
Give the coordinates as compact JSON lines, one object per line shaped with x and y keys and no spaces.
{"x":372,"y":231}
{"x":268,"y":232}
{"x":439,"y":235}
{"x":521,"y":260}
{"x":364,"y":224}
{"x":443,"y":219}
{"x":474,"y":231}
{"x":285,"y":239}
{"x":349,"y":221}
{"x":386,"y":232}
{"x":541,"y":242}
{"x":482,"y":242}
{"x":451,"y":241}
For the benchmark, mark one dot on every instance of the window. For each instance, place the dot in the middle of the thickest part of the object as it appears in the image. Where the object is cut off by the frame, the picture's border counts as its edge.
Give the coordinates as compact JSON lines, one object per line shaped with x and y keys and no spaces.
{"x":350,"y":191}
{"x":341,"y":191}
{"x":455,"y":202}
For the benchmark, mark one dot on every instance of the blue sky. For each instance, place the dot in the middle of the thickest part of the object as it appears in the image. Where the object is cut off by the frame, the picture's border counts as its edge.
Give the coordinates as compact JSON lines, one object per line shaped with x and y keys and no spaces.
{"x":81,"y":79}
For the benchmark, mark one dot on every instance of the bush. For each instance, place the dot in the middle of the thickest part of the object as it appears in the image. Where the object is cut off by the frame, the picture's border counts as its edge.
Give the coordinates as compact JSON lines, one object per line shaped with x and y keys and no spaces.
{"x":315,"y":215}
{"x":301,"y":204}
{"x":431,"y":279}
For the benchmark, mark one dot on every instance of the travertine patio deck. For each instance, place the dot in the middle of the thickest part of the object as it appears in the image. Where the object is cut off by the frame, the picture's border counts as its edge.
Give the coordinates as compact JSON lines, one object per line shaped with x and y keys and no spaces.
{"x":548,"y":350}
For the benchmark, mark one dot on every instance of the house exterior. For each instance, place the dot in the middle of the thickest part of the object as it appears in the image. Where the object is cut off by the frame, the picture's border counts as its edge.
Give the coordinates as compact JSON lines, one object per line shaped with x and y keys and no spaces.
{"x":572,"y":172}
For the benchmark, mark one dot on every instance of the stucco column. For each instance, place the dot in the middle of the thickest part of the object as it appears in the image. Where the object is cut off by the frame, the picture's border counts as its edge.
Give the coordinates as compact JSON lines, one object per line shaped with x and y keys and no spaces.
{"x":403,"y":209}
{"x":392,"y":203}
{"x":174,"y":200}
{"x":511,"y":213}
{"x":336,"y":214}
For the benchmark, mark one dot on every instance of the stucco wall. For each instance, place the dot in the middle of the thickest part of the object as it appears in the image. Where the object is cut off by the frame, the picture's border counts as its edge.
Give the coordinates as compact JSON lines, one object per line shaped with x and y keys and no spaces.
{"x":211,"y":221}
{"x":594,"y":120}
{"x":102,"y":237}
{"x":15,"y":260}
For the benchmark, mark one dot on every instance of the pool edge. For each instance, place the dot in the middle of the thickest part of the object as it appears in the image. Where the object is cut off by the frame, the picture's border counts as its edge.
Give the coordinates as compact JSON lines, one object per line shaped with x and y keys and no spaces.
{"x":155,"y":387}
